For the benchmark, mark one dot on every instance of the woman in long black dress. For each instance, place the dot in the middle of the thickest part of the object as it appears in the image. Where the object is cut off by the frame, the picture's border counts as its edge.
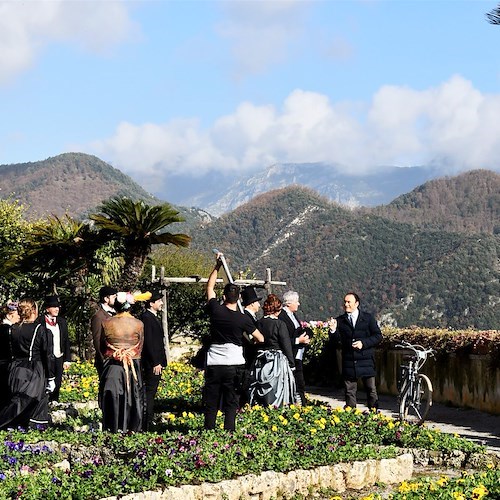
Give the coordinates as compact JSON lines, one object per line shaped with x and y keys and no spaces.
{"x":31,"y":374}
{"x":121,"y":395}
{"x":8,"y":317}
{"x":271,"y":375}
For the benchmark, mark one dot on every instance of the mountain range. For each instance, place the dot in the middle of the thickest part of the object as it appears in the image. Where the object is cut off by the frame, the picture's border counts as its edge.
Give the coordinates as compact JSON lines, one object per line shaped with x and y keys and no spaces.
{"x":428,"y":256}
{"x":421,"y":271}
{"x":218,"y":194}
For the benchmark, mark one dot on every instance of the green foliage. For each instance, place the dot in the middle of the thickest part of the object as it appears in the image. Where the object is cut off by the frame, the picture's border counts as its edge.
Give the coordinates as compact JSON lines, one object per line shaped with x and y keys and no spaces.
{"x":137,"y":226}
{"x":185,"y":301}
{"x":13,"y":234}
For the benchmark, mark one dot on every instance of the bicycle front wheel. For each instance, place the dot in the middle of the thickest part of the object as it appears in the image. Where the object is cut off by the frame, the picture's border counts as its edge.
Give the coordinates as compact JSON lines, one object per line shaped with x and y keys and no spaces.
{"x":415,"y":403}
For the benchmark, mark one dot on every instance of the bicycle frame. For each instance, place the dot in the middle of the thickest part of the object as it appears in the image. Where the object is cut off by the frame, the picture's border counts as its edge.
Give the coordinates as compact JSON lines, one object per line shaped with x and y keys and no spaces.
{"x":415,"y":389}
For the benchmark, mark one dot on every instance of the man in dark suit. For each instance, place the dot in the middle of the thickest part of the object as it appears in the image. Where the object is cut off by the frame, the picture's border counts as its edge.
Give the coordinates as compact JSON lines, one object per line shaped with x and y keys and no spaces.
{"x":107,"y":297}
{"x":358,"y":333}
{"x":298,"y":338}
{"x":153,"y":356}
{"x":58,"y":326}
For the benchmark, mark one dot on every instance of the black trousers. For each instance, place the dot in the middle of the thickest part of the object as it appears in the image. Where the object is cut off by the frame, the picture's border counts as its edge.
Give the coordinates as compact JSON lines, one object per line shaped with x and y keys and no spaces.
{"x":58,"y":372}
{"x":300,"y":381}
{"x":221,"y":383}
{"x":151,"y":382}
{"x":351,"y":388}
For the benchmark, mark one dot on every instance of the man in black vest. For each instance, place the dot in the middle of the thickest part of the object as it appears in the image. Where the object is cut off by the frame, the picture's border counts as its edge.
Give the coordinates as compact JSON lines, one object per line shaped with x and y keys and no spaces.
{"x":154,"y":359}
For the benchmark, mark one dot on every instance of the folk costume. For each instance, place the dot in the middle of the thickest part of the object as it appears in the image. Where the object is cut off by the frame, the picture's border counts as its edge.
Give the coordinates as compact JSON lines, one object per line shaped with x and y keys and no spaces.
{"x":121,"y":396}
{"x":153,"y":354}
{"x":58,"y":327}
{"x":272,"y":380}
{"x":5,"y":360}
{"x":102,"y":314}
{"x":31,"y":373}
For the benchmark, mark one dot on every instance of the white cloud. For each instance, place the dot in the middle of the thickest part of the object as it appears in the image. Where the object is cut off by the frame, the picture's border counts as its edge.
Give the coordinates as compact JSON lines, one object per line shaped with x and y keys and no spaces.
{"x":261,"y":33}
{"x":26,"y":28}
{"x":454,"y":124}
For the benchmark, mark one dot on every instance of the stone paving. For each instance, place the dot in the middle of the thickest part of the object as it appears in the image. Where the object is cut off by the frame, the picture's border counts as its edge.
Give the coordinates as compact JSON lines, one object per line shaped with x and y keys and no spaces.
{"x":480,"y":427}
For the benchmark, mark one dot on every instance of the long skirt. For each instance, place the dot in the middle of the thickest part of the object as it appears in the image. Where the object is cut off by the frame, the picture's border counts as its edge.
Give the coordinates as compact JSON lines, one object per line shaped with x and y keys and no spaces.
{"x":122,"y":407}
{"x":272,"y":381}
{"x":28,"y":405}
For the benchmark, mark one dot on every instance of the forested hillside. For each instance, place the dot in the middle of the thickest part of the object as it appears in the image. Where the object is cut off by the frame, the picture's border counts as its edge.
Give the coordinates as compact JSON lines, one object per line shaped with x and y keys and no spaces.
{"x":468,"y":203}
{"x":404,"y":274}
{"x":69,"y":183}
{"x":76,"y":183}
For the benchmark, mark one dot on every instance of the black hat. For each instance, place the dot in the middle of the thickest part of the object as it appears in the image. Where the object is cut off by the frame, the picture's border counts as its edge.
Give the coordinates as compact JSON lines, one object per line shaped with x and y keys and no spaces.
{"x":157,"y":295}
{"x":106,"y":291}
{"x":51,"y":301}
{"x":249,"y":296}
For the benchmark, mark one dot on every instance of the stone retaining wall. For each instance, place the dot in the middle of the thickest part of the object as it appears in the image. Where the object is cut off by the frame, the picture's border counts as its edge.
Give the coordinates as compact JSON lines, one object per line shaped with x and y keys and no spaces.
{"x":268,"y":485}
{"x":471,"y":381}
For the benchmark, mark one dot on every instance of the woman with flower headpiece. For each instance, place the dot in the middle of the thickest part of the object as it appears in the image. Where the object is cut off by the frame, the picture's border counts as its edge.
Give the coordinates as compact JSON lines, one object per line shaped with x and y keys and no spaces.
{"x":8,"y":317}
{"x":31,"y":373}
{"x":121,"y":396}
{"x":271,"y":374}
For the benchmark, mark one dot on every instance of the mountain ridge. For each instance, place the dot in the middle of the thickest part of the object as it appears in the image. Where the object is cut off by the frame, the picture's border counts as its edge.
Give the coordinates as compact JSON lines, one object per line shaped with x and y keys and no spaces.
{"x":406,"y":274}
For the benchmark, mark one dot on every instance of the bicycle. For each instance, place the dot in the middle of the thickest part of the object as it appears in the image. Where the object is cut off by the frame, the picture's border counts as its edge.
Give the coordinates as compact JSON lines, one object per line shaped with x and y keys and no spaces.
{"x":415,"y":389}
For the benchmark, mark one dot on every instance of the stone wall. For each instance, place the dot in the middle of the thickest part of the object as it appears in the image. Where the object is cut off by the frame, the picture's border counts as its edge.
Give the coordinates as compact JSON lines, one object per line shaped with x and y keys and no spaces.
{"x":465,"y":381}
{"x":268,"y":485}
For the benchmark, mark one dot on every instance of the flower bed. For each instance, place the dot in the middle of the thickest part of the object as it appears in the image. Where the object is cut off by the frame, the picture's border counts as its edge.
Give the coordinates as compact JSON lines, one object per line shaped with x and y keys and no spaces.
{"x":64,"y":463}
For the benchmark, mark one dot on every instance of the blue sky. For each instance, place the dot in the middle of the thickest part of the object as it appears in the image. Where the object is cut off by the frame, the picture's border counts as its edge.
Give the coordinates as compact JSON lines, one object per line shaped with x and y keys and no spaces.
{"x":160,"y":88}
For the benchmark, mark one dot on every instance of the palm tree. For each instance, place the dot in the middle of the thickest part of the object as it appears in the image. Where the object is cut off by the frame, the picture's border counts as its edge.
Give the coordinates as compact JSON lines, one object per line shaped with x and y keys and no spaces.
{"x":59,"y":250}
{"x":494,"y":15}
{"x":137,"y":226}
{"x":61,"y":255}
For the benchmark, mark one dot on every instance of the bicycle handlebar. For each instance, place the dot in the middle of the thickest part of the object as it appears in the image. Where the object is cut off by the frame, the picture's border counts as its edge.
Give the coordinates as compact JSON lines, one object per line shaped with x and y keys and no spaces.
{"x":419,"y":351}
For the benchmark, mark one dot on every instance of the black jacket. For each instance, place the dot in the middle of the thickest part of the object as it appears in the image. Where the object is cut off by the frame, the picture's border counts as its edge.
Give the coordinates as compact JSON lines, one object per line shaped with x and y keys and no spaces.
{"x":276,"y":337}
{"x":153,"y":350}
{"x":358,"y":363}
{"x":293,"y":332}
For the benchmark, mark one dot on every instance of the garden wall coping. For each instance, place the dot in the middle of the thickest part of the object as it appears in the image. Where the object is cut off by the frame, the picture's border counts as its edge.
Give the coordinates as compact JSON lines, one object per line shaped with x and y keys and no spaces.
{"x":269,"y":484}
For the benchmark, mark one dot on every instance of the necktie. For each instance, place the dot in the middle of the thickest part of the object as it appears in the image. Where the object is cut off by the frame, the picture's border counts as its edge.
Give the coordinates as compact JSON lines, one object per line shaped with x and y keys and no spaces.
{"x":349,"y":316}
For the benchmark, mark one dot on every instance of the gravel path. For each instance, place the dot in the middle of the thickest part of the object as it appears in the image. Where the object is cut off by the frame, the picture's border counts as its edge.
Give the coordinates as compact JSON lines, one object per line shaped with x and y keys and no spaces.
{"x":481,"y":427}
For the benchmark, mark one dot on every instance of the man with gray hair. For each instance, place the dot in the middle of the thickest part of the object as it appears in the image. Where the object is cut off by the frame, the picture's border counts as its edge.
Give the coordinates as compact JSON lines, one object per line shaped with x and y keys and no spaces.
{"x":298,"y":338}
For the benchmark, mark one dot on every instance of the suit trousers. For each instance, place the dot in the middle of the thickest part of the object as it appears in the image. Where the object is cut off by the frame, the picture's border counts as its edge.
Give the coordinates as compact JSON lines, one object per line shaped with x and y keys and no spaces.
{"x":300,"y":381}
{"x":151,"y":383}
{"x":58,"y":373}
{"x":351,"y":387}
{"x":221,"y":383}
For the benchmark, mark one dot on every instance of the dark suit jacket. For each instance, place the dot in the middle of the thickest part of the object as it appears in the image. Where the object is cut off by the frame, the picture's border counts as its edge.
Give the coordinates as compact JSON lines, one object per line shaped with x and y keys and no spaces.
{"x":63,"y":336}
{"x":96,"y":328}
{"x":153,"y":351}
{"x":358,"y":363}
{"x":292,"y":331}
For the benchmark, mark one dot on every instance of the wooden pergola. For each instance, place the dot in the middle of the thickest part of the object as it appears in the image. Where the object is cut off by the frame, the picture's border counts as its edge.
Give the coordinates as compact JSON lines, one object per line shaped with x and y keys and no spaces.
{"x":164,"y":282}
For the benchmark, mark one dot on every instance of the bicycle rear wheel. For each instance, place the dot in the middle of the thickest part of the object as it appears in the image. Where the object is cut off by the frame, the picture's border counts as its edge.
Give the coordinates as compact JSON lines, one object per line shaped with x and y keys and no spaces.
{"x":414,"y":405}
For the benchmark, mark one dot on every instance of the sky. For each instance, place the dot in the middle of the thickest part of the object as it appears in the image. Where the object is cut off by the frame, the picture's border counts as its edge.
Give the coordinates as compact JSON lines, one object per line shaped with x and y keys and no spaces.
{"x":162,"y":88}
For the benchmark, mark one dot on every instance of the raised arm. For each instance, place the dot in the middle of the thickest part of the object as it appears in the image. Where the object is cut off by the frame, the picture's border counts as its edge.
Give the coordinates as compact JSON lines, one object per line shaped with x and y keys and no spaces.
{"x":212,"y":279}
